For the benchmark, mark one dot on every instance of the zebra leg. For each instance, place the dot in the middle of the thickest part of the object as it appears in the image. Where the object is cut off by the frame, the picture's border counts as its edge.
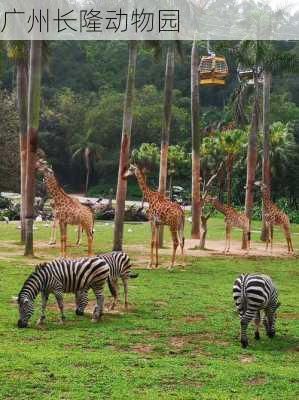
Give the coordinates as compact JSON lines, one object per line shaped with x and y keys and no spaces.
{"x":245,"y":319}
{"x":125,"y":283}
{"x":257,"y":322}
{"x":45,"y":297}
{"x":269,"y":323}
{"x":116,"y":297}
{"x":98,"y":310}
{"x":81,"y":301}
{"x":59,"y":299}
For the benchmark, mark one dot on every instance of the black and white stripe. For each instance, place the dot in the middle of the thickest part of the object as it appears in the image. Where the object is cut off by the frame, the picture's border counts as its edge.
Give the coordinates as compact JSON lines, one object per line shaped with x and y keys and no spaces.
{"x":252,"y":294}
{"x":120,"y":267}
{"x":63,"y":276}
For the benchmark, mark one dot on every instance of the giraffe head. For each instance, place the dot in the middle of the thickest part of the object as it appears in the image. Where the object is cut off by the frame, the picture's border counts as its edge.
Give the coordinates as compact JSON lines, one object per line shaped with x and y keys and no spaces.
{"x":209,"y":199}
{"x":42,"y":166}
{"x":132,"y":170}
{"x":262,"y":185}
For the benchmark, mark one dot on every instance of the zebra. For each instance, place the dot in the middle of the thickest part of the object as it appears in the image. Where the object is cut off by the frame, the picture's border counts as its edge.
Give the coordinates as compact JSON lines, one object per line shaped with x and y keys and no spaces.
{"x":253,"y":293}
{"x":63,"y":276}
{"x":120,"y":267}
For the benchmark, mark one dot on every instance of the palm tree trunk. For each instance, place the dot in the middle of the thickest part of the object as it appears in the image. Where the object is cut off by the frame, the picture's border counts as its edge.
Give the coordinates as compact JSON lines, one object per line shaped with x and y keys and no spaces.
{"x":229,"y":166}
{"x":22,"y":94}
{"x":196,"y":141}
{"x":32,"y":138}
{"x":168,"y":89}
{"x":266,"y":141}
{"x":252,"y":157}
{"x":87,"y":165}
{"x":125,"y":148}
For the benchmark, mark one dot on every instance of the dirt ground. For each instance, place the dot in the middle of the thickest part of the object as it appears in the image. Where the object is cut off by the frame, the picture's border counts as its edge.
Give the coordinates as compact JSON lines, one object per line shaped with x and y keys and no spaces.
{"x":214,"y":248}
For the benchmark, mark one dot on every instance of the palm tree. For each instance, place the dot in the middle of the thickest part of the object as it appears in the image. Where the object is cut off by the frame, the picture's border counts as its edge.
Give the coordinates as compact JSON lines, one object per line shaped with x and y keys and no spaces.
{"x":18,"y":52}
{"x":34,"y":89}
{"x":230,"y":142}
{"x":196,"y":142}
{"x":272,"y":61}
{"x":125,"y":147}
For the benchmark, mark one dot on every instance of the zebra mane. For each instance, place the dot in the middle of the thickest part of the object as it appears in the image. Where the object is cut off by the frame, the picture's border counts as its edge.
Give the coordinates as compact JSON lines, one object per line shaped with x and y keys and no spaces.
{"x":28,"y":280}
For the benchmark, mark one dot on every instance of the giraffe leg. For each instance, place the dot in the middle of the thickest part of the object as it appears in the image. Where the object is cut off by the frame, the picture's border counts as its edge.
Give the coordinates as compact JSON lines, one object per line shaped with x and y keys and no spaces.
{"x":63,"y":238}
{"x":157,"y":245}
{"x":271,"y":237}
{"x":225,"y":247}
{"x":229,"y":238}
{"x":89,"y":234}
{"x":287,"y":235}
{"x":53,"y":232}
{"x":267,"y":236}
{"x":79,"y":236}
{"x":246,"y":236}
{"x":152,"y":245}
{"x":175,"y":243}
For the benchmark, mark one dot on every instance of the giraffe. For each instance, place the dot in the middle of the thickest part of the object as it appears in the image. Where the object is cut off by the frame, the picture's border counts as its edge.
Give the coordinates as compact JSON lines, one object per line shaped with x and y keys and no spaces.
{"x":274,"y":216}
{"x":95,"y":207}
{"x":232,"y":219}
{"x":67,"y":210}
{"x":161,"y":211}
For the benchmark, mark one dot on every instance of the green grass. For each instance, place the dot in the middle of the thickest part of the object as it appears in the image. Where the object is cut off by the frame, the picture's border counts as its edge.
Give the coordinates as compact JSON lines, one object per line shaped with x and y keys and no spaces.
{"x":179,"y":341}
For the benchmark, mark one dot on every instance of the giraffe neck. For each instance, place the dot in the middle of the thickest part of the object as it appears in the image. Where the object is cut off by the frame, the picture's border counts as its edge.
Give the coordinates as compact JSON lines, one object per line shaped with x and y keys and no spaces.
{"x":266,"y":198}
{"x":143,"y":186}
{"x":54,"y":189}
{"x":220,"y":206}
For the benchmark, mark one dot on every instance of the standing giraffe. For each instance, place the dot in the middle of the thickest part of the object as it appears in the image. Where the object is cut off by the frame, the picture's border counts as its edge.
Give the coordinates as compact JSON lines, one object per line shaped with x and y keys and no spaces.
{"x":161,"y":211}
{"x":274,"y":216}
{"x":67,"y":210}
{"x":232,"y":219}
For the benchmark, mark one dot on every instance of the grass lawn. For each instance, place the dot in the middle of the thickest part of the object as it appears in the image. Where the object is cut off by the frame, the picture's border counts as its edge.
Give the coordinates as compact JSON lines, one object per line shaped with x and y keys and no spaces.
{"x":179,"y":340}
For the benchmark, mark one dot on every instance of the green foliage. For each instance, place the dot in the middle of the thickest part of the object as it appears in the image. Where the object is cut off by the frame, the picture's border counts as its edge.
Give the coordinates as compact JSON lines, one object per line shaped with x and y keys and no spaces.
{"x":9,"y":143}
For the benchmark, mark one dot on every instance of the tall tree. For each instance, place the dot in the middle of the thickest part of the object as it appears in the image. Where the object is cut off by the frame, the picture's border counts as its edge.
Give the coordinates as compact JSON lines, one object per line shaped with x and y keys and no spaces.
{"x":168,"y":89}
{"x":230,"y":143}
{"x":34,"y":92}
{"x":18,"y":52}
{"x":125,"y":147}
{"x":272,"y":61}
{"x":196,"y":141}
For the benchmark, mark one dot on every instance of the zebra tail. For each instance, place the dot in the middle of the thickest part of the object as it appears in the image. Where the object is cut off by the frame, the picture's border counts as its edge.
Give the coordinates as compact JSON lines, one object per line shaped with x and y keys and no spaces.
{"x":111,"y":288}
{"x":132,"y":275}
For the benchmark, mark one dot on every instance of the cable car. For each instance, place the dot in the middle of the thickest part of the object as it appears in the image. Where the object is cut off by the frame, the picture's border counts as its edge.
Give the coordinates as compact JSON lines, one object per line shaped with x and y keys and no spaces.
{"x":212,"y":70}
{"x":247,"y":75}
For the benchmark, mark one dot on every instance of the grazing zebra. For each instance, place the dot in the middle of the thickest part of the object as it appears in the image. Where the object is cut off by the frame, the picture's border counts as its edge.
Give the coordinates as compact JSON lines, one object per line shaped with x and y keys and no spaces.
{"x":63,"y":276}
{"x":120,"y":267}
{"x":253,"y":293}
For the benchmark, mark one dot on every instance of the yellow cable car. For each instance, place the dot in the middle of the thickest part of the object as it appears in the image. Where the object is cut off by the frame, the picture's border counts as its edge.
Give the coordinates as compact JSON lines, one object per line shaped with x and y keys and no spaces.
{"x":212,"y":70}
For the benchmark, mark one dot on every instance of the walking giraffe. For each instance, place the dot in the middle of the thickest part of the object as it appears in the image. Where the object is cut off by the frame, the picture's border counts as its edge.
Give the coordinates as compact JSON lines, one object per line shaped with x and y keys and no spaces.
{"x":232,"y":219}
{"x":67,"y":210}
{"x":274,"y":216}
{"x":161,"y":211}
